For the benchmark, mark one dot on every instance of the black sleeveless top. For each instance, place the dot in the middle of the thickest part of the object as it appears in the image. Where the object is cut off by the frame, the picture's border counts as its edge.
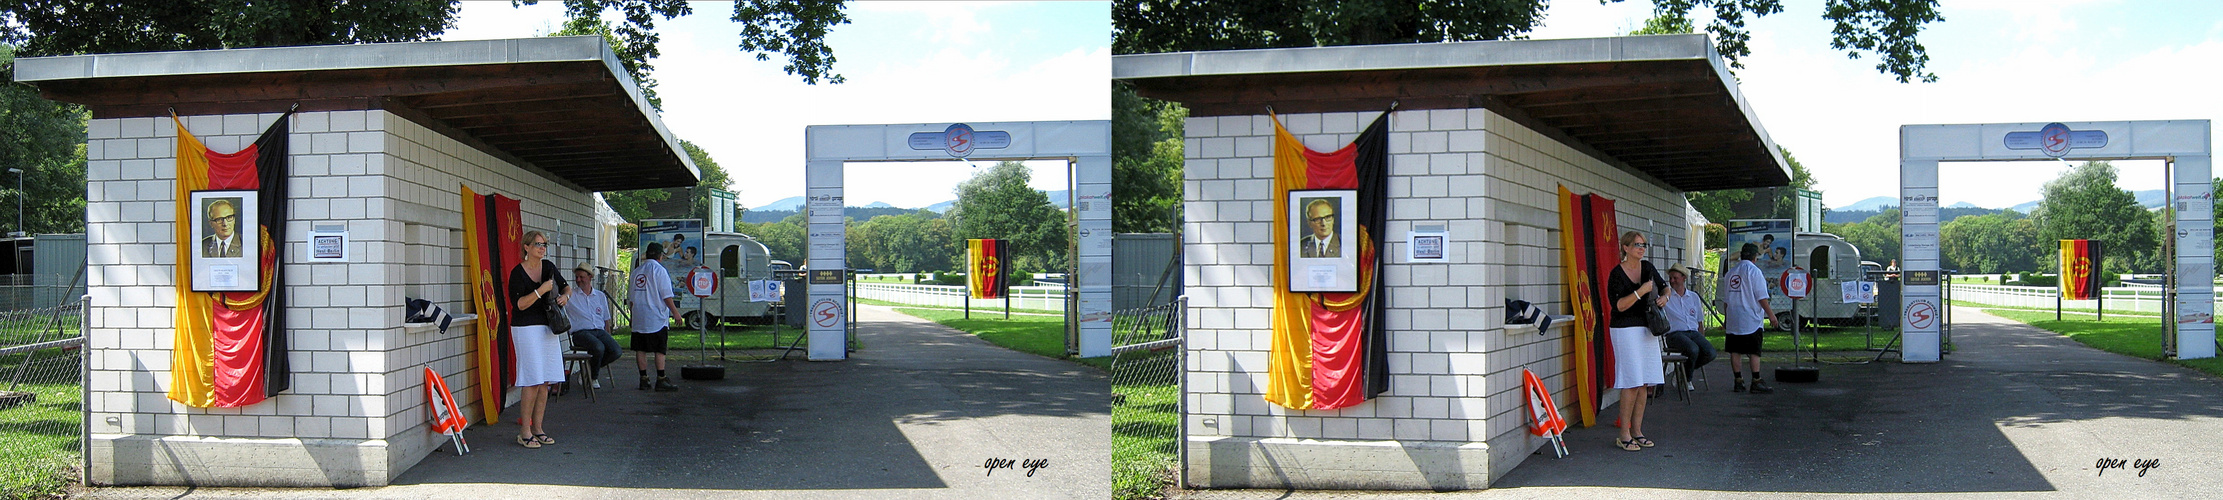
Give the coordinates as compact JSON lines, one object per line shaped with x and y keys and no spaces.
{"x":521,"y":285}
{"x":1619,"y":285}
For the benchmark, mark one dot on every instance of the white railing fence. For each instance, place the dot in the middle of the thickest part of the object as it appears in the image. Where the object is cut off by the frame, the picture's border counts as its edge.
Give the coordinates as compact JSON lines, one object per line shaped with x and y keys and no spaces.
{"x":1049,"y":298}
{"x":2140,"y":300}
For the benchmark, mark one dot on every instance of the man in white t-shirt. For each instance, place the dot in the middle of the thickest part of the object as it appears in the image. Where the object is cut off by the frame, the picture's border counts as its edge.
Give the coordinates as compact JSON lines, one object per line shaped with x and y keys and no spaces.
{"x":653,"y":306}
{"x":1744,"y":298}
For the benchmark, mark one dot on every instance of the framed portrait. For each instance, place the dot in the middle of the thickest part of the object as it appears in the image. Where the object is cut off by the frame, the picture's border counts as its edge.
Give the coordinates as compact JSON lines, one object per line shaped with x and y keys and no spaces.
{"x":1323,"y":244}
{"x":226,"y":253}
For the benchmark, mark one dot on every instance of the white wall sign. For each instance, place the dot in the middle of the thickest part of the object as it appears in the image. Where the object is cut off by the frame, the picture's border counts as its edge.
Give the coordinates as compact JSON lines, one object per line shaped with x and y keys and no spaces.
{"x":328,"y":243}
{"x":1427,"y":243}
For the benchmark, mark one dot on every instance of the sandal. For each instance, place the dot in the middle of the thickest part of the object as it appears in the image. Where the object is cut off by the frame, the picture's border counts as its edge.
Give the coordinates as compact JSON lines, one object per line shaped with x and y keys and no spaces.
{"x":544,"y":439}
{"x":1643,"y":441}
{"x":1629,"y":445}
{"x":528,"y":442}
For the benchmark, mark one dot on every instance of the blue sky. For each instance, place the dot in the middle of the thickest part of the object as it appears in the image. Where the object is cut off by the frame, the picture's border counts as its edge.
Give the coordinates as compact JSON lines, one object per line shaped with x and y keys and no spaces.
{"x":1996,"y":60}
{"x":906,"y":62}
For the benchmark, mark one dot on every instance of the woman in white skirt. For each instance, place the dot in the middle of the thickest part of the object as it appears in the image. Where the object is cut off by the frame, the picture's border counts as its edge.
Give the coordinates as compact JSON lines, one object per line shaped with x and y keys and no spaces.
{"x":1636,"y":353}
{"x":539,"y":364}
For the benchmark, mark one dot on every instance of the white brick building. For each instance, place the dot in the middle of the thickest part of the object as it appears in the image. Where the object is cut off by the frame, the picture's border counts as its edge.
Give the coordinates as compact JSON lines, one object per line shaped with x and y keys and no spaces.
{"x":386,"y":137}
{"x":1484,"y":135}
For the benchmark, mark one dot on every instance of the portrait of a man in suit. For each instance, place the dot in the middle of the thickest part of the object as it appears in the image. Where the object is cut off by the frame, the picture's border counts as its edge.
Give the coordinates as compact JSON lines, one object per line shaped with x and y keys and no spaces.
{"x":222,"y":239}
{"x":1320,"y":240}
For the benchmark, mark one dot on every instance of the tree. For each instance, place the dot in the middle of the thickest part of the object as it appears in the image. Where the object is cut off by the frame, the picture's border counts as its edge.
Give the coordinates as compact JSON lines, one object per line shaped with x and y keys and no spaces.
{"x":1996,"y":243}
{"x":795,"y":29}
{"x":997,"y":203}
{"x":47,"y":140}
{"x":1887,"y":29}
{"x":907,"y":243}
{"x":783,"y":239}
{"x":1146,"y":162}
{"x":713,"y":177}
{"x":2083,"y":203}
{"x":1877,"y":238}
{"x":1721,"y":205}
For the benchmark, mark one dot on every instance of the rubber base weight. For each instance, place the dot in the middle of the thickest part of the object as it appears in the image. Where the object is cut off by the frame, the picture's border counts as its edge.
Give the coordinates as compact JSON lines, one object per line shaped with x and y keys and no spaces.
{"x":707,"y":372}
{"x":1798,"y":375}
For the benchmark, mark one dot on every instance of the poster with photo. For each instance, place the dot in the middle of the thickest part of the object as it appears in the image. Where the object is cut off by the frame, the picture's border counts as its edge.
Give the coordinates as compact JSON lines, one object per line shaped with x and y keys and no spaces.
{"x":681,"y":240}
{"x":224,"y":257}
{"x":1323,"y":244}
{"x":1774,"y":239}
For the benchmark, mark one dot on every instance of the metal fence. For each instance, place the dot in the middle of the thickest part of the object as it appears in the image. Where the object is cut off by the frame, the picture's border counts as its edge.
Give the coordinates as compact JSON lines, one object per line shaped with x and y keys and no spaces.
{"x":42,"y":415}
{"x":1147,"y":412}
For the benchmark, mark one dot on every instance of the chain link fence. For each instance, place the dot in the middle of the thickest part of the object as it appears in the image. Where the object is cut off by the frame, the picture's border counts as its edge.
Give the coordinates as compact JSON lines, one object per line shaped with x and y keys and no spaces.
{"x":1146,"y":398}
{"x":42,"y":419}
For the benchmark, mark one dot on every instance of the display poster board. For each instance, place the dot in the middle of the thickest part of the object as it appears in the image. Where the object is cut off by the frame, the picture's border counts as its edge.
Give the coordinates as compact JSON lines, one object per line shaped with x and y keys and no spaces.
{"x":1774,"y":238}
{"x":681,"y":240}
{"x":225,"y":257}
{"x":1323,"y":240}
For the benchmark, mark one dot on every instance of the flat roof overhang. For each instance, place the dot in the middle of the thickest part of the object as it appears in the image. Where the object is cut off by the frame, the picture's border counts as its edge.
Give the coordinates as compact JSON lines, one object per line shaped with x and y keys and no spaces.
{"x":561,"y":105}
{"x":1662,"y":105}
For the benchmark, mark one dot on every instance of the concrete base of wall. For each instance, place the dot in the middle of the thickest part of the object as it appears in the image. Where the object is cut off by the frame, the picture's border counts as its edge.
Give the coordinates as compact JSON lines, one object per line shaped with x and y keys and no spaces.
{"x":1231,"y":462}
{"x":127,"y":460}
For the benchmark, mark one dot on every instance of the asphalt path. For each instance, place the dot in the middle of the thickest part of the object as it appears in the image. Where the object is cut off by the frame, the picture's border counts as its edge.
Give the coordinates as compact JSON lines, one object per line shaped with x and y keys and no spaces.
{"x":920,"y":412}
{"x":2013,"y":412}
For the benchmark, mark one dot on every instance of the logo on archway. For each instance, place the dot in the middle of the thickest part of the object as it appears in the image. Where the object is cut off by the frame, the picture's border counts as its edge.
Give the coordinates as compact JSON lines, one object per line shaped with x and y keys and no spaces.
{"x":960,"y":140}
{"x":2057,"y":140}
{"x":1922,"y":315}
{"x":825,"y":313}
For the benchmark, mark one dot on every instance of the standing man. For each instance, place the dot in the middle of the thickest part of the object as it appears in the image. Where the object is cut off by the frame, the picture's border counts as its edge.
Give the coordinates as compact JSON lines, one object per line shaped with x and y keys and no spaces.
{"x":589,"y":311}
{"x":1744,"y":296}
{"x":223,"y":221}
{"x":1683,"y":314}
{"x":653,"y":306}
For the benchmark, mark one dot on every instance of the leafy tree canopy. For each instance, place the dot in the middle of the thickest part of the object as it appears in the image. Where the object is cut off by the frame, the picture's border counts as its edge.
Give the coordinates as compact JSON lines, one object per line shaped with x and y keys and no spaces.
{"x":45,"y":139}
{"x":795,"y":29}
{"x":997,"y":203}
{"x":2083,"y":203}
{"x":1884,"y":28}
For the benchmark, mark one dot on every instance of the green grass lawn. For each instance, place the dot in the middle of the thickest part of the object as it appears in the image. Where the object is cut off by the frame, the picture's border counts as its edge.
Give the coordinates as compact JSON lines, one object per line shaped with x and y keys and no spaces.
{"x":684,"y":343}
{"x":39,"y":440}
{"x":1039,"y":335}
{"x":1145,"y":431}
{"x":1829,"y":338}
{"x":2125,"y":335}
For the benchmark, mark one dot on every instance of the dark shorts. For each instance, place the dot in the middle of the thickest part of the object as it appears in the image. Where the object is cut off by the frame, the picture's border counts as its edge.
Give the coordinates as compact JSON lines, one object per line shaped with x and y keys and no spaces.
{"x":652,"y":341}
{"x":1737,"y":344}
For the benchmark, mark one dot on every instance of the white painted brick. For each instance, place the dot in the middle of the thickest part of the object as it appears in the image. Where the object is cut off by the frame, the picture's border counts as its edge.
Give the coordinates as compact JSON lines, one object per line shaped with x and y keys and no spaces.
{"x":366,"y":142}
{"x":137,"y":127}
{"x":347,"y":121}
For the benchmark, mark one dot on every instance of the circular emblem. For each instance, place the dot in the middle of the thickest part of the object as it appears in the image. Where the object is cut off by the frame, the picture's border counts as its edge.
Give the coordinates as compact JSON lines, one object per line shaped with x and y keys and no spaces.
{"x":2054,"y":139}
{"x":702,"y":282}
{"x":825,"y":313}
{"x":958,"y":139}
{"x":1922,"y":315}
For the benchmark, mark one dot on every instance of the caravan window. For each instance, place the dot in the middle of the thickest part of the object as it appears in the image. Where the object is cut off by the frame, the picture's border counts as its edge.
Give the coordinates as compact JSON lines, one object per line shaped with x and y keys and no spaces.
{"x":730,"y":260}
{"x":1820,"y":261}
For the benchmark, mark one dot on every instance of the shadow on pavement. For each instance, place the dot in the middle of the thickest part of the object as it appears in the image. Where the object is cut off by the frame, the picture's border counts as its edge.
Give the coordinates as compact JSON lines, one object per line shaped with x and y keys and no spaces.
{"x":918,"y":406}
{"x":1890,"y":427}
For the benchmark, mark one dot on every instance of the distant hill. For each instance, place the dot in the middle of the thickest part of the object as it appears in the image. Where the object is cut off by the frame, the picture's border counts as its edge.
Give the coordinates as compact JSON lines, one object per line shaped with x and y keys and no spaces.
{"x":877,"y":204}
{"x":1962,"y":205}
{"x":1876,"y":204}
{"x":1944,"y":215}
{"x":791,"y":203}
{"x":857,"y":213}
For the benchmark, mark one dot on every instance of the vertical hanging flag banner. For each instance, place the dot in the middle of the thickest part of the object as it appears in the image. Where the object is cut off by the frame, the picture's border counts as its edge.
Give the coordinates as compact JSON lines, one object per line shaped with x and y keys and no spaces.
{"x":985,"y":261}
{"x":229,"y":348}
{"x":1329,"y":350}
{"x":2081,"y":270}
{"x":485,"y":220}
{"x":1588,"y":246}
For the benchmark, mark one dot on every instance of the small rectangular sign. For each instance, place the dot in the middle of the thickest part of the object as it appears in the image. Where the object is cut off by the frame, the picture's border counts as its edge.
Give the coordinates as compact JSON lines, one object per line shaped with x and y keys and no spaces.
{"x":825,"y":276}
{"x":1921,"y":278}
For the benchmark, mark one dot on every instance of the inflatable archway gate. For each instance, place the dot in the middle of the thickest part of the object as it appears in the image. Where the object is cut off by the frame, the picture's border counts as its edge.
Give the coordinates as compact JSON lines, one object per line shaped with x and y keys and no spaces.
{"x":1086,"y":144}
{"x":2184,"y":144}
